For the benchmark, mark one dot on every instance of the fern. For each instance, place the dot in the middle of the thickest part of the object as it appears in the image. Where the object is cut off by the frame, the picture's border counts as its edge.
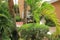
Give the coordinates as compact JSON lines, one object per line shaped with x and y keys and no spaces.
{"x":48,"y":11}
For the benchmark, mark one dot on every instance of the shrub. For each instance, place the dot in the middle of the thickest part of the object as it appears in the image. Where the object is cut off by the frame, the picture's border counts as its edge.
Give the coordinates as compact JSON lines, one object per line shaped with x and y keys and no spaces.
{"x":18,"y":18}
{"x":33,"y":31}
{"x":53,"y":37}
{"x":4,"y":9}
{"x":50,"y":22}
{"x":5,"y":26}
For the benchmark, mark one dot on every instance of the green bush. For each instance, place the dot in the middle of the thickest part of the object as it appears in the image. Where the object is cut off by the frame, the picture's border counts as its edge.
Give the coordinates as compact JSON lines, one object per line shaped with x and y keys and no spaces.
{"x":4,"y":9}
{"x":50,"y":23}
{"x":18,"y":18}
{"x":33,"y":31}
{"x":52,"y":37}
{"x":6,"y":26}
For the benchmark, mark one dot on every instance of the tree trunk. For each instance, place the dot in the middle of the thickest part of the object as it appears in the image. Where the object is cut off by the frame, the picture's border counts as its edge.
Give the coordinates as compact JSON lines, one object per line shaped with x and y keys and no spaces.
{"x":11,"y":10}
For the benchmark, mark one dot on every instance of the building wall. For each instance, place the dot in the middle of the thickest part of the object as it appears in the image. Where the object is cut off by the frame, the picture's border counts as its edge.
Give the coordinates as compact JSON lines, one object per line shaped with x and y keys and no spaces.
{"x":57,"y":7}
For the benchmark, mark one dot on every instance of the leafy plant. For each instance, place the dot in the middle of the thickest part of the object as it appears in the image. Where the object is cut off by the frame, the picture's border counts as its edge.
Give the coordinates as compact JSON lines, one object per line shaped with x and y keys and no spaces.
{"x":33,"y":31}
{"x":4,"y":9}
{"x":50,"y":13}
{"x":18,"y":18}
{"x":40,"y":8}
{"x":6,"y":24}
{"x":37,"y":31}
{"x":35,"y":11}
{"x":50,"y":23}
{"x":53,"y":37}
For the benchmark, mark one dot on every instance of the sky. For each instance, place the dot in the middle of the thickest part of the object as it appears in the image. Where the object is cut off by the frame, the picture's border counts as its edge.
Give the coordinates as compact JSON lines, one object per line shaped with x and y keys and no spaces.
{"x":15,"y":1}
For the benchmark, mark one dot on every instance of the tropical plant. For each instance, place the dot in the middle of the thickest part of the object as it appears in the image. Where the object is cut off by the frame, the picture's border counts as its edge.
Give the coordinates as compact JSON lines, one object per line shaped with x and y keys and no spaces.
{"x":33,"y":31}
{"x":40,"y":8}
{"x":7,"y":27}
{"x":50,"y":13}
{"x":4,"y":8}
{"x":50,"y":22}
{"x":18,"y":18}
{"x":11,"y":10}
{"x":52,"y":37}
{"x":4,"y":20}
{"x":35,"y":11}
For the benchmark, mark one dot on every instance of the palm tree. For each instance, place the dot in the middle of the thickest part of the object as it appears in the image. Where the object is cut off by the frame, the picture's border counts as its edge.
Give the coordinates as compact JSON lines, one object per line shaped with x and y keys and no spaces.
{"x":11,"y":10}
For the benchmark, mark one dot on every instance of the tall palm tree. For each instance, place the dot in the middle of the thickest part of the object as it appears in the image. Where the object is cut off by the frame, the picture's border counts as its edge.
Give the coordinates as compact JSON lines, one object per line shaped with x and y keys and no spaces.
{"x":11,"y":10}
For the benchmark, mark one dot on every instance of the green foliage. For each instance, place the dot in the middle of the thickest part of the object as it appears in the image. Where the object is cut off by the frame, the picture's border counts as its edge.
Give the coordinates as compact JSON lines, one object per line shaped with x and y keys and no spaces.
{"x":50,"y":13}
{"x":16,"y":8}
{"x":50,"y":23}
{"x":32,"y":3}
{"x":18,"y":18}
{"x":5,"y":26}
{"x":36,"y":31}
{"x":4,"y":9}
{"x":33,"y":31}
{"x":53,"y":37}
{"x":40,"y":8}
{"x":35,"y":11}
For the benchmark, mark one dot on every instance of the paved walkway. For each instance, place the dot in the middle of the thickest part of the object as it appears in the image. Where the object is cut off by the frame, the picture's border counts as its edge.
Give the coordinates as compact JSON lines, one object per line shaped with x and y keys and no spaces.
{"x":52,"y":29}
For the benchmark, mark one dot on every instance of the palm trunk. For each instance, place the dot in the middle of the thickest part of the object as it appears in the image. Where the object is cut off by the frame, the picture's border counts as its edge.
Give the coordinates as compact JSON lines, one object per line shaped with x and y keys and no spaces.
{"x":11,"y":10}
